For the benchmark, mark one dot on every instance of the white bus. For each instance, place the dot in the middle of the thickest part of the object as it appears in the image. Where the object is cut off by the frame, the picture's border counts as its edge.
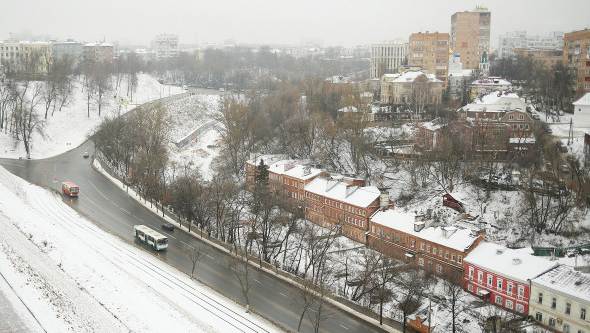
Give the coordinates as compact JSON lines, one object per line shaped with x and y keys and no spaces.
{"x":151,"y":237}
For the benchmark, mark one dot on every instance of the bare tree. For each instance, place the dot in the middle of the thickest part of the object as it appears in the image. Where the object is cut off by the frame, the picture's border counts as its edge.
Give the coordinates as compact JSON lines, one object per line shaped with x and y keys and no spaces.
{"x":240,"y":266}
{"x":195,"y":256}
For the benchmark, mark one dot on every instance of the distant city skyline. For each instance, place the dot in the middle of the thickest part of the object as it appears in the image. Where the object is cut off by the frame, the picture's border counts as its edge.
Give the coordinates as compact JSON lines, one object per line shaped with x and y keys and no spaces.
{"x":328,"y":22}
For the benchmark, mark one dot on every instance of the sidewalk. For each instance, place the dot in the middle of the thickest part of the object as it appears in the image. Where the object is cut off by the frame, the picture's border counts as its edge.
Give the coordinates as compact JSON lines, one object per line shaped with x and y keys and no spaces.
{"x":225,"y":248}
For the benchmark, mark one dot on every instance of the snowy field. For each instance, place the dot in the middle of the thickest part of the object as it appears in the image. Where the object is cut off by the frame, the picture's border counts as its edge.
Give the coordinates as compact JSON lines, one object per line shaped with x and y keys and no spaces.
{"x":70,"y":127}
{"x":76,"y":278}
{"x":194,"y":116}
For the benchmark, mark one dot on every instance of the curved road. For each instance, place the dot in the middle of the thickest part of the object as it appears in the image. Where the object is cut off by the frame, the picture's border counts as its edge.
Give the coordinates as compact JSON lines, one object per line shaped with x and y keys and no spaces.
{"x":114,"y":211}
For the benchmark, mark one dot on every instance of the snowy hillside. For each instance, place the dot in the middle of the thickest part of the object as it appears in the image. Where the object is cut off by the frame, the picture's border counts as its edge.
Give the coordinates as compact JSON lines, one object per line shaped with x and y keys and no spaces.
{"x":70,"y":127}
{"x":76,"y":278}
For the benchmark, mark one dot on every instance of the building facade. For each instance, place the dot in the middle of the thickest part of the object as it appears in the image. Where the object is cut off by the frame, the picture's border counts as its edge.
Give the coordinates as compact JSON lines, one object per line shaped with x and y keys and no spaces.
{"x":549,"y":58}
{"x":511,"y":41}
{"x":404,"y":236}
{"x":415,"y":89}
{"x":165,"y":46}
{"x":576,"y":55}
{"x":470,"y":37}
{"x":342,"y":201}
{"x":560,"y":300}
{"x":387,"y":58}
{"x":488,"y":85}
{"x":430,"y":51}
{"x":501,"y":276}
{"x":98,"y":52}
{"x":67,"y":49}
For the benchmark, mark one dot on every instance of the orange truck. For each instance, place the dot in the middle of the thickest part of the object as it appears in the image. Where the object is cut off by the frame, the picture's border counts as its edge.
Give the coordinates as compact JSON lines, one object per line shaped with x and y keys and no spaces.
{"x":70,"y":189}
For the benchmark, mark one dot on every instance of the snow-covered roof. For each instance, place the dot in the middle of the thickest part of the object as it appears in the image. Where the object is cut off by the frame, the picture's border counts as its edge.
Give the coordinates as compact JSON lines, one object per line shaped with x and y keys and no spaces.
{"x":566,"y":280}
{"x":491,"y":81}
{"x":456,"y":238}
{"x":298,"y":172}
{"x":432,"y":125}
{"x":517,"y":264}
{"x":523,"y":140}
{"x":493,"y":103}
{"x":268,"y":159}
{"x":348,"y":109}
{"x":281,"y":166}
{"x":341,"y":191}
{"x":413,"y":75}
{"x":584,"y":100}
{"x":498,"y":97}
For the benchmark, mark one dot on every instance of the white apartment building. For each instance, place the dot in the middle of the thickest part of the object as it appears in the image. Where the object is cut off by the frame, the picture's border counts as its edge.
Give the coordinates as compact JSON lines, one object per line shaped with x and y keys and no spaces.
{"x":21,"y":53}
{"x":387,"y":57}
{"x":560,"y":300}
{"x":520,"y":40}
{"x":165,"y":46}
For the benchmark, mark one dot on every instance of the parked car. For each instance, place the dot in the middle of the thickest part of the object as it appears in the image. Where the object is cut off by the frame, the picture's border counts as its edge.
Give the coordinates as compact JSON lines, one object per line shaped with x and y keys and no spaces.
{"x":168,"y":227}
{"x":85,"y":155}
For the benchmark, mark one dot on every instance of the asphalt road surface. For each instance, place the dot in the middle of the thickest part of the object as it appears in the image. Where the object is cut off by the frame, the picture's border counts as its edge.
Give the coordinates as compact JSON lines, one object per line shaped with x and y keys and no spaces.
{"x":114,"y":211}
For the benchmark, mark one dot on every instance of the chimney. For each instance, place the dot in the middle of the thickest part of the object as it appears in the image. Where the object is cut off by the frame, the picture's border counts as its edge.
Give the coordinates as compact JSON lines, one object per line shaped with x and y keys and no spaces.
{"x":516,"y":261}
{"x":418,"y":225}
{"x":306,"y":170}
{"x":384,"y":201}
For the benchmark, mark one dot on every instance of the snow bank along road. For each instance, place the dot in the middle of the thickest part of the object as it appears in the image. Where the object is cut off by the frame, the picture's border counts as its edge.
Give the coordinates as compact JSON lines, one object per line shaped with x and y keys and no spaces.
{"x":73,"y":276}
{"x":112,"y":210}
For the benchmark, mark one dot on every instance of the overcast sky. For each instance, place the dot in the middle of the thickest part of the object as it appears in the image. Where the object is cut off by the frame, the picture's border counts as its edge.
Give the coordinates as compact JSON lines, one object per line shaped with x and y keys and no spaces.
{"x":332,"y":22}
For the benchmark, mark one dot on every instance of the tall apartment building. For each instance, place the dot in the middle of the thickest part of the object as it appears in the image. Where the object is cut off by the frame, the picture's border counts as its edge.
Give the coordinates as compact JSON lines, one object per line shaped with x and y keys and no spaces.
{"x":387,"y":57}
{"x":511,"y":41}
{"x":430,"y":51}
{"x":470,"y":37}
{"x":576,"y":55}
{"x":165,"y":46}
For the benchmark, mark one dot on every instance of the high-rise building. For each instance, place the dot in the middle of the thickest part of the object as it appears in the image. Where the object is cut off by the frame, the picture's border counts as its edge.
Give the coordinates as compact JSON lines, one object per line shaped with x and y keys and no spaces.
{"x":387,"y":57}
{"x":576,"y":55}
{"x":511,"y":41}
{"x":470,"y":37}
{"x":165,"y":46}
{"x":430,"y":51}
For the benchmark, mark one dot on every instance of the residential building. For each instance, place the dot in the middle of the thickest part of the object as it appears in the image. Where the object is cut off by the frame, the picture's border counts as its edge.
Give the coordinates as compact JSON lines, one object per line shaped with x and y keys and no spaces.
{"x":429,"y":135}
{"x":511,"y":41}
{"x":582,"y":112}
{"x":430,"y":51}
{"x":470,"y":37}
{"x":404,"y":236}
{"x":165,"y":46}
{"x":296,"y":178}
{"x":253,"y":164}
{"x":501,"y":275}
{"x":98,"y":52}
{"x":416,"y":90}
{"x":560,"y":300}
{"x":343,"y":201}
{"x":488,"y":85}
{"x":30,"y":57}
{"x":459,"y":80}
{"x":549,"y":58}
{"x":69,"y":48}
{"x":387,"y":58}
{"x":576,"y":55}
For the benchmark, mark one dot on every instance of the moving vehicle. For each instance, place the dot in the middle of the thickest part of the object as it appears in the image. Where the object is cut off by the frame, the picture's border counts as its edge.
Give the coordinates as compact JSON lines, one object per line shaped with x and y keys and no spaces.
{"x":150,"y":237}
{"x":168,"y":227}
{"x":70,"y":189}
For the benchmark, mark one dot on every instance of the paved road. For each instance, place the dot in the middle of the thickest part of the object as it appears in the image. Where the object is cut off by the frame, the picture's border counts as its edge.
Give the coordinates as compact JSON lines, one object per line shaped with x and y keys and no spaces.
{"x":112,"y":210}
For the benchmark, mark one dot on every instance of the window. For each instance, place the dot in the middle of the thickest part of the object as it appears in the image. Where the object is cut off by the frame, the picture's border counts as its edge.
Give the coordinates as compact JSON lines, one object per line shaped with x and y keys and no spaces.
{"x":470,"y":273}
{"x":422,"y":246}
{"x":453,"y":257}
{"x":439,"y":268}
{"x":583,"y":313}
{"x":509,"y":288}
{"x":499,"y":299}
{"x":470,"y":287}
{"x":479,"y":277}
{"x":520,"y":292}
{"x":552,"y":322}
{"x":566,"y":328}
{"x":539,"y":316}
{"x":519,"y":308}
{"x":490,"y":280}
{"x":421,"y":261}
{"x":568,"y":308}
{"x":459,"y":259}
{"x":499,"y":284}
{"x":509,"y":304}
{"x":553,"y":303}
{"x":434,"y":250}
{"x":540,"y":298}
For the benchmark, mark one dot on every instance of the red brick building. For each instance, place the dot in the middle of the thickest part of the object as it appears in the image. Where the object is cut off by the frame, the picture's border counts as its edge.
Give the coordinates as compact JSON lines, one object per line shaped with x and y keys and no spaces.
{"x":436,"y":249}
{"x":342,"y":201}
{"x":429,"y":135}
{"x":502,"y":276}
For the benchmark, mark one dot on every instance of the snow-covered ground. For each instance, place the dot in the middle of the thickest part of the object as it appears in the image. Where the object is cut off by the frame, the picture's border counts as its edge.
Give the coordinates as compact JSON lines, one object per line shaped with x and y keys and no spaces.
{"x":70,"y":127}
{"x":194,"y":116}
{"x":77,"y":278}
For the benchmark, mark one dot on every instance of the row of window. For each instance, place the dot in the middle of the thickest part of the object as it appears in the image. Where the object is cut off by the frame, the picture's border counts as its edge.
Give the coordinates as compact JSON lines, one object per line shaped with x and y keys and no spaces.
{"x":499,"y":283}
{"x":440,"y":252}
{"x":552,"y":323}
{"x":567,"y":309}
